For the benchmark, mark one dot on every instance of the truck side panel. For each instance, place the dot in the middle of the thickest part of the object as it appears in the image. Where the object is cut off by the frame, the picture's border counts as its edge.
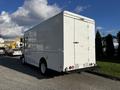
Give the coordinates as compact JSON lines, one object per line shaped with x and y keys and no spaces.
{"x":46,"y":40}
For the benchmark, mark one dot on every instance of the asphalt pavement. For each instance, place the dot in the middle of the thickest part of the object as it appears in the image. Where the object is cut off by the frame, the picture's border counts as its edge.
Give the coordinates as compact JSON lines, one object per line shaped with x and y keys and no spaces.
{"x":15,"y":76}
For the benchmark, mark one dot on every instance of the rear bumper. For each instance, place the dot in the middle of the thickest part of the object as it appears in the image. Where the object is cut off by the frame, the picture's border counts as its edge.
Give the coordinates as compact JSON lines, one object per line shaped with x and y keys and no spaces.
{"x":83,"y":69}
{"x":17,"y":54}
{"x":79,"y":67}
{"x":2,"y":53}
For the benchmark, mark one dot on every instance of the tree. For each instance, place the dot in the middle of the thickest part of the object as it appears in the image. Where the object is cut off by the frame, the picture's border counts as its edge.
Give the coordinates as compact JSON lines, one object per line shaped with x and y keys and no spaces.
{"x":118,"y":38}
{"x":99,"y":49}
{"x":110,"y":50}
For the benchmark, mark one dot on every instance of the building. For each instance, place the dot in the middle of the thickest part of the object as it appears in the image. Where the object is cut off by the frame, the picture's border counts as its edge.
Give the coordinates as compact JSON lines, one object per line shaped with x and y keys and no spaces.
{"x":2,"y":43}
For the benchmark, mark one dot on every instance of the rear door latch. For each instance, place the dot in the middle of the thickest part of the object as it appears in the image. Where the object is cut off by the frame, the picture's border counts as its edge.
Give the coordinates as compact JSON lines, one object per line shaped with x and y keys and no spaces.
{"x":75,"y":42}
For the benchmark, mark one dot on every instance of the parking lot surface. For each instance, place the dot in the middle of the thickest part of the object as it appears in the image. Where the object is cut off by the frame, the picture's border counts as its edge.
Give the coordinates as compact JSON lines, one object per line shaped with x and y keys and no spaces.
{"x":15,"y":76}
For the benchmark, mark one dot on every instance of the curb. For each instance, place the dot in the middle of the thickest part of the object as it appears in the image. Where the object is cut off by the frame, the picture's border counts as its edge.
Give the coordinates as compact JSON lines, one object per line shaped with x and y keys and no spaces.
{"x":104,"y":75}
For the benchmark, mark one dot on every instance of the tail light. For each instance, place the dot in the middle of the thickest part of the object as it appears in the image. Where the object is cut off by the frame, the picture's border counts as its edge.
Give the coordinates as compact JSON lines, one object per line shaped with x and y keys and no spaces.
{"x":71,"y":67}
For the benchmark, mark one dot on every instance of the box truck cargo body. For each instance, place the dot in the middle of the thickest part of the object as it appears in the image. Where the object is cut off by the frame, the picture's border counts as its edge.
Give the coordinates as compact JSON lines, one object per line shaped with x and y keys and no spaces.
{"x":62,"y":43}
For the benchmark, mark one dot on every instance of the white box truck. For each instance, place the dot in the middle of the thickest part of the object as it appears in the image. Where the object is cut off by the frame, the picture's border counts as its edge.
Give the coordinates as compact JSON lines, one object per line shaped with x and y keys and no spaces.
{"x":62,"y":43}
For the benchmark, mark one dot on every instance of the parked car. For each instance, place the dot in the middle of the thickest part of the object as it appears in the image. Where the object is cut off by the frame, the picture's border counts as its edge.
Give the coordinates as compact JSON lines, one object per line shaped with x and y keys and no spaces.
{"x":14,"y":52}
{"x":2,"y":51}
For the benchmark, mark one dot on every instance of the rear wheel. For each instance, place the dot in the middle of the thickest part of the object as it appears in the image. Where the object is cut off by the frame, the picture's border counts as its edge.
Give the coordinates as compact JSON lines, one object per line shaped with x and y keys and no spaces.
{"x":43,"y":68}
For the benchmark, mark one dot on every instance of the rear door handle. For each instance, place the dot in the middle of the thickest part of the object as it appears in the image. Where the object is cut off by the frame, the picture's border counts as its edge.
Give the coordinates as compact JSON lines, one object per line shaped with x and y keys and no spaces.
{"x":75,"y":42}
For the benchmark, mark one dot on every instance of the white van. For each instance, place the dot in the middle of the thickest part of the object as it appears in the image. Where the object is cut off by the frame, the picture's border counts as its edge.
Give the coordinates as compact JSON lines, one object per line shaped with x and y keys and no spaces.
{"x":65,"y":42}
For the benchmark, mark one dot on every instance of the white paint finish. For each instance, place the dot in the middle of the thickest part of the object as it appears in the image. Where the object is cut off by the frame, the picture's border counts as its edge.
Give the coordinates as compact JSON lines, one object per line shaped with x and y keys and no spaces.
{"x":46,"y":40}
{"x":76,"y":16}
{"x":81,"y":31}
{"x":55,"y":39}
{"x":92,"y":58}
{"x":68,"y":41}
{"x":81,"y":48}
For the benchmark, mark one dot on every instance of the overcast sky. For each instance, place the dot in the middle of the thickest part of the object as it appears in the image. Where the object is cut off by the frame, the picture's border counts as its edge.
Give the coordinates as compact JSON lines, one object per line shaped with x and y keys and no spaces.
{"x":17,"y":16}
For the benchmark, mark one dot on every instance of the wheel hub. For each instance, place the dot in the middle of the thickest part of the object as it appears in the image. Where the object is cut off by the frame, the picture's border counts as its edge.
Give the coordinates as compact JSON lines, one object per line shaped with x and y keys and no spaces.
{"x":43,"y":68}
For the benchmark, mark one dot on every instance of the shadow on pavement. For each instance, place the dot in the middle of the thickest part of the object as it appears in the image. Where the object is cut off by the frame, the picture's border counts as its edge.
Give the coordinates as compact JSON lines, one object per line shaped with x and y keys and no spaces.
{"x":15,"y":64}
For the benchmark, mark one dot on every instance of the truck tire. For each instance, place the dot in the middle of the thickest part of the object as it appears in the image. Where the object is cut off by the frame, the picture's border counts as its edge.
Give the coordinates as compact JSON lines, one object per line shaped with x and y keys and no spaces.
{"x":43,"y":68}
